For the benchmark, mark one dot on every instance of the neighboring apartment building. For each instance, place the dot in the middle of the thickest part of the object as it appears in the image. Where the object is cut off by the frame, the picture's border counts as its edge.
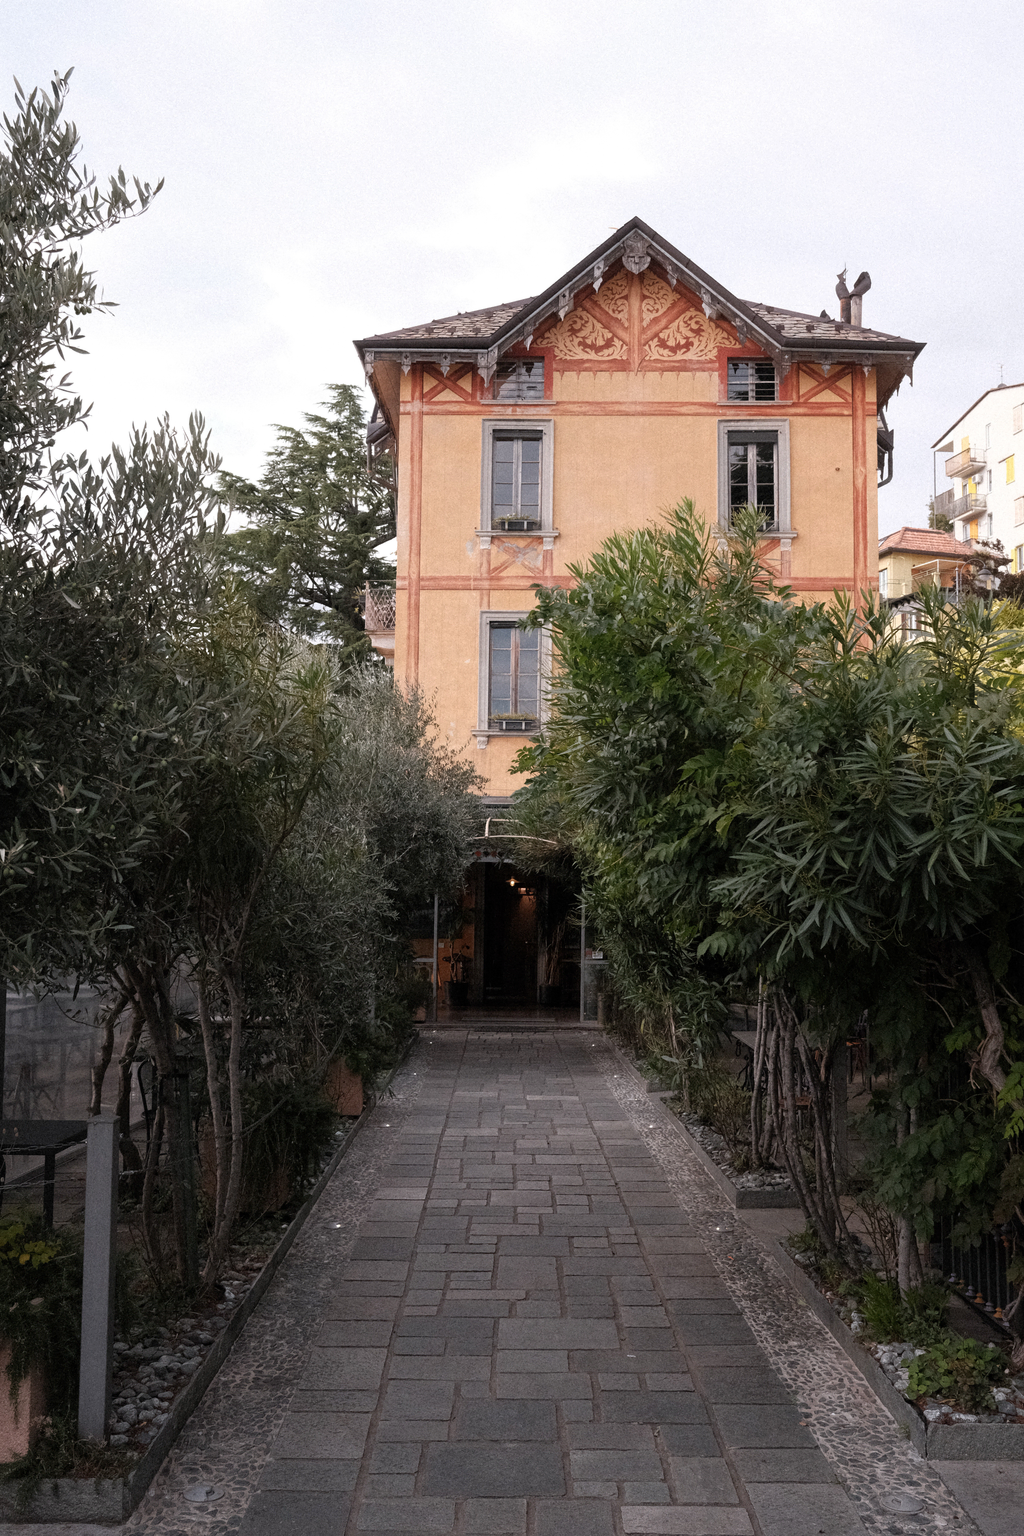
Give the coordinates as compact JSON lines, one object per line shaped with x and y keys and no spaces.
{"x":986,"y":464}
{"x":912,"y":558}
{"x":527,"y":433}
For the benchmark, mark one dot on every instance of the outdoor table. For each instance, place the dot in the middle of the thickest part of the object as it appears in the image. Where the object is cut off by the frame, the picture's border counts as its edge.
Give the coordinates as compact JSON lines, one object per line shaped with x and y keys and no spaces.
{"x":41,"y":1138}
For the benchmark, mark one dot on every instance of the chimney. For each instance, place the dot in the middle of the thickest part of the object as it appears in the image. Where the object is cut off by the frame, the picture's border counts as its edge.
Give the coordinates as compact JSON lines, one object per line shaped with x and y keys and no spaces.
{"x":851,"y":304}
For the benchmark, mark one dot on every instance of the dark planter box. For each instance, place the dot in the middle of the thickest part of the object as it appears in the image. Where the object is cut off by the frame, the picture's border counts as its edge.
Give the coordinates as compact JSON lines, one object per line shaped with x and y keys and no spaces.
{"x":549,"y":997}
{"x":458,"y":994}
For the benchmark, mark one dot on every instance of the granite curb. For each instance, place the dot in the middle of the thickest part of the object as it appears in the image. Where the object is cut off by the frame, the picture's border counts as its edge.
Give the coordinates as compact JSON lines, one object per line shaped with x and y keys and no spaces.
{"x":110,"y":1501}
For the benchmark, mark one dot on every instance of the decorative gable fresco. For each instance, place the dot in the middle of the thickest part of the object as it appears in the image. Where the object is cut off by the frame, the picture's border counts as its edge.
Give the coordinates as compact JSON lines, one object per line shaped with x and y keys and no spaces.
{"x":639,"y":321}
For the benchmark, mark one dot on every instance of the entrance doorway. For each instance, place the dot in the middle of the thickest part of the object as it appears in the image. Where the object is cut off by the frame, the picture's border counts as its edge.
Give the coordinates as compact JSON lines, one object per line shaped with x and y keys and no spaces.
{"x":510,"y":937}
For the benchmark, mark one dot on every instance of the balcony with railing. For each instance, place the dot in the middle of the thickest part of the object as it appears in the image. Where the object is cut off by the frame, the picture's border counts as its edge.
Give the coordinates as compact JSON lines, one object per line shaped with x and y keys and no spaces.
{"x":379,"y":619}
{"x":966,"y":506}
{"x":965,"y":465}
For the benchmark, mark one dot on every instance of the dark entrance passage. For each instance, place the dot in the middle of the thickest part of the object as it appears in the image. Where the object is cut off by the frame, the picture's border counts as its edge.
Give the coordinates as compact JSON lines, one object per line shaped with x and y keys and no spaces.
{"x":510,"y":936}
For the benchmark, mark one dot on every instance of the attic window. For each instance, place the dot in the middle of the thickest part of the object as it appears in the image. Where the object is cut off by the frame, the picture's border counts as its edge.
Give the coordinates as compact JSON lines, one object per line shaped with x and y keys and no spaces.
{"x":522,"y":379}
{"x":751,"y":380}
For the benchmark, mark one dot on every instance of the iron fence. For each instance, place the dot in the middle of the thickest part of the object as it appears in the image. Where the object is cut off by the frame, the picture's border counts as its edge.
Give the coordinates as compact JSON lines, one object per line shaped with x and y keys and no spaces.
{"x":978,"y":1272}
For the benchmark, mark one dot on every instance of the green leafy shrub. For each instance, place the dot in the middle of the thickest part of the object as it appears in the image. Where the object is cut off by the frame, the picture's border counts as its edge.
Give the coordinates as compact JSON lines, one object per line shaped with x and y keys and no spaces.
{"x":40,"y":1301}
{"x":831,"y":1273}
{"x":721,"y":1101}
{"x":918,"y":1317}
{"x":960,"y":1372}
{"x":289,"y":1128}
{"x":881,"y":1309}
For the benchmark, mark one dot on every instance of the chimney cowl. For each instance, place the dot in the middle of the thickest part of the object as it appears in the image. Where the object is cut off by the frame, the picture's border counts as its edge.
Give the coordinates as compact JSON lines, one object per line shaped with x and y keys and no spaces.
{"x":851,"y":302}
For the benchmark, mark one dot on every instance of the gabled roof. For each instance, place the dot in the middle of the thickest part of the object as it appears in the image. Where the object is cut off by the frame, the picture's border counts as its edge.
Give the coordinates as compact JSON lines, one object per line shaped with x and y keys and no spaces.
{"x":923,"y":541}
{"x":787,"y":335}
{"x":995,"y":390}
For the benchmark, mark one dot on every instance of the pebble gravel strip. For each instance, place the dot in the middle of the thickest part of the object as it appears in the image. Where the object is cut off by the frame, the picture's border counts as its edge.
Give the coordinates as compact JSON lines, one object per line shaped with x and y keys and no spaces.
{"x":859,"y":1438}
{"x":226,"y":1441}
{"x":717,"y":1149}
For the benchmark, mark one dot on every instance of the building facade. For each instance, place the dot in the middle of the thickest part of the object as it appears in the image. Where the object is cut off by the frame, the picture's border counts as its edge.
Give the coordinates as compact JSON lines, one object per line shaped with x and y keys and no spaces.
{"x":527,"y":433}
{"x":986,"y":499}
{"x":913,"y":558}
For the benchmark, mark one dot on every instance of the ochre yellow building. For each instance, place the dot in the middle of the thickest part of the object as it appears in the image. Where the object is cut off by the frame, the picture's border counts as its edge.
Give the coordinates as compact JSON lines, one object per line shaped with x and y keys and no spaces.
{"x":634,"y":381}
{"x":525,"y":434}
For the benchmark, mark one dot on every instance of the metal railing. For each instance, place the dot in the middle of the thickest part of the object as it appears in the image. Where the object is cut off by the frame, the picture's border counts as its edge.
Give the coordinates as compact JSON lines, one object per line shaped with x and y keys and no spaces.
{"x":379,"y":609}
{"x":965,"y":465}
{"x":978,"y":1273}
{"x":966,"y":506}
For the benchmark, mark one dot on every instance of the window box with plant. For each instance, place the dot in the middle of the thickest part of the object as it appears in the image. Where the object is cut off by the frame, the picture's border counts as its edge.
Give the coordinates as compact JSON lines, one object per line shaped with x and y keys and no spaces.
{"x":513,"y":722}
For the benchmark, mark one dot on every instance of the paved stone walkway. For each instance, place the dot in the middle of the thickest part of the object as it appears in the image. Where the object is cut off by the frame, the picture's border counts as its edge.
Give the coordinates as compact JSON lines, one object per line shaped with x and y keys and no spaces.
{"x":520,"y":1308}
{"x":533,"y":1337}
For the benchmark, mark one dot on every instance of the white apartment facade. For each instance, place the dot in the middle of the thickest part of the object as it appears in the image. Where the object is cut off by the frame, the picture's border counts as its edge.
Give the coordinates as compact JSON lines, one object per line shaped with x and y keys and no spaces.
{"x":985,"y":462}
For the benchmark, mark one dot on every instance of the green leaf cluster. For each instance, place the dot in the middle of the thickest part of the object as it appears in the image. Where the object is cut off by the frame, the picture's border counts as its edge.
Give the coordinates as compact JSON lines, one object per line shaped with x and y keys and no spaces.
{"x":756,"y":787}
{"x":313,"y":524}
{"x":961,"y":1372}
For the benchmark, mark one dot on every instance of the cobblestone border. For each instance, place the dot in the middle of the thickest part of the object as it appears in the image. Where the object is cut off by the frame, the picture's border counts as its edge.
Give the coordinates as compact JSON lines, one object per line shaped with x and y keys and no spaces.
{"x":859,"y":1438}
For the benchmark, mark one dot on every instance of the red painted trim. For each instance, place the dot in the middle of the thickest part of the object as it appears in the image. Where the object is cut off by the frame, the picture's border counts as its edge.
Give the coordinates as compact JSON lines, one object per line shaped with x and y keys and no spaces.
{"x":412,"y":660}
{"x":860,"y":485}
{"x":719,"y":409}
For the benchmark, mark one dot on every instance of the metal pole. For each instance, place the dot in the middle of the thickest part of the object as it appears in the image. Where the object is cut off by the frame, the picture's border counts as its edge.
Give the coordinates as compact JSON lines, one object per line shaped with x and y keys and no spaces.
{"x":433,"y":982}
{"x":583,"y":961}
{"x":182,"y":1152}
{"x":3,"y":1041}
{"x":96,"y":1359}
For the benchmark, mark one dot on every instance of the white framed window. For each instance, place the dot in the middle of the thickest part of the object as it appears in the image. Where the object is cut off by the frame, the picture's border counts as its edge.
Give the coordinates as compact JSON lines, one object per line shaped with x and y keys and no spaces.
{"x":1018,"y":558}
{"x":516,"y":476}
{"x":513,"y":659}
{"x":1018,"y":418}
{"x":750,"y":379}
{"x":883,"y":582}
{"x":1018,"y":511}
{"x":753,"y":467}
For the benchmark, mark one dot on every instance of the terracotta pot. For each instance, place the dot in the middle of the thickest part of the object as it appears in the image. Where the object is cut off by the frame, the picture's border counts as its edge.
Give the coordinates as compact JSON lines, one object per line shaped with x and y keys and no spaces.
{"x":344,"y":1089}
{"x":19,"y":1421}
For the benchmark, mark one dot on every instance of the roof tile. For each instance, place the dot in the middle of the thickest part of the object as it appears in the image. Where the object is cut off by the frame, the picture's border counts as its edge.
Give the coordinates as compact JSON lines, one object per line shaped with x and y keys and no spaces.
{"x":922,"y":541}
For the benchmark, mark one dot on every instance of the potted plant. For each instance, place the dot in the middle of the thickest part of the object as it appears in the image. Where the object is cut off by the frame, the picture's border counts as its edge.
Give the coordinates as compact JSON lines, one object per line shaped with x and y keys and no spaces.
{"x":40,"y":1302}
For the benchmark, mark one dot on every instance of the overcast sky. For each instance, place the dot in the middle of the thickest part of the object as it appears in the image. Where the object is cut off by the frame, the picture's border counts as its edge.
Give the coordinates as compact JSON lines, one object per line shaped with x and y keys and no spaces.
{"x":334,"y":169}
